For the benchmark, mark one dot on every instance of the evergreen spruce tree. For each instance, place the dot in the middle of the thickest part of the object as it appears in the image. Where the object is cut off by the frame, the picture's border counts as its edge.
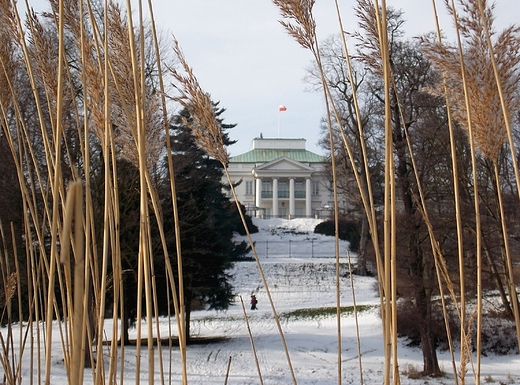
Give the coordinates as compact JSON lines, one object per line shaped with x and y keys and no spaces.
{"x":207,"y":221}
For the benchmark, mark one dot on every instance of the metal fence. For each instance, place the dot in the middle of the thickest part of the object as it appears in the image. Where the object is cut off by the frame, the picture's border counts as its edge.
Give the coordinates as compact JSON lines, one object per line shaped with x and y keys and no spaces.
{"x":310,"y":248}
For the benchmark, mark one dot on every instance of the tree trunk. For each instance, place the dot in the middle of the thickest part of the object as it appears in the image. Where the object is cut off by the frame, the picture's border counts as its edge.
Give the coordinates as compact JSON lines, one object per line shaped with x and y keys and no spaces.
{"x":125,"y":325}
{"x":422,"y":276}
{"x":498,"y":282}
{"x":361,"y":268}
{"x":424,"y":309}
{"x":187,"y":318}
{"x":430,"y":363}
{"x":419,"y":269}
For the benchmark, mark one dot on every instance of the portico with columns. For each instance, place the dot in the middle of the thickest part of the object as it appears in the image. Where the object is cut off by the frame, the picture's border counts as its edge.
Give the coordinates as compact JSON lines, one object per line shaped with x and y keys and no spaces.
{"x":282,"y":172}
{"x":280,"y":178}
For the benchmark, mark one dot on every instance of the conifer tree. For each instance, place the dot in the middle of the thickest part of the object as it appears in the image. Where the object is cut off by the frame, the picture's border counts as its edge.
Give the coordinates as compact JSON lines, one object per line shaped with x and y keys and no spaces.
{"x":207,"y":221}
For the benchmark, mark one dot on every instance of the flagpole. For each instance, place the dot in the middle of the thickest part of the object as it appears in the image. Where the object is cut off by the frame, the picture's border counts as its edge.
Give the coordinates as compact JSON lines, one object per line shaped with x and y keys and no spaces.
{"x":278,"y":122}
{"x":281,"y":108}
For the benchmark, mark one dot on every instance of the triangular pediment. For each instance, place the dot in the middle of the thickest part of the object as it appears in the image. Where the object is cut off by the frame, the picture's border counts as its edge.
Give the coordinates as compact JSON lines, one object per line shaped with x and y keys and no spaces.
{"x":284,"y":164}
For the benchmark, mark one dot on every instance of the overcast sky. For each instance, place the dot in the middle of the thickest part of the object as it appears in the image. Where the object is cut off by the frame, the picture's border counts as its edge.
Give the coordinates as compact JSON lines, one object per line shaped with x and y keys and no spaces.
{"x":244,"y":58}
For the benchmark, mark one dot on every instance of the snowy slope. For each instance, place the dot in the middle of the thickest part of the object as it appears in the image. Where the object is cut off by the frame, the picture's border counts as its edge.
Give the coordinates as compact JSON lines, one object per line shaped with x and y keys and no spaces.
{"x":296,"y":284}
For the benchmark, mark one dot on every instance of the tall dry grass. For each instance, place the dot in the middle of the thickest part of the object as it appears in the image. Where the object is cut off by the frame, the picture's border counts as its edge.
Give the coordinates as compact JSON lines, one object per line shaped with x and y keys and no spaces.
{"x":482,"y":103}
{"x":86,"y":84}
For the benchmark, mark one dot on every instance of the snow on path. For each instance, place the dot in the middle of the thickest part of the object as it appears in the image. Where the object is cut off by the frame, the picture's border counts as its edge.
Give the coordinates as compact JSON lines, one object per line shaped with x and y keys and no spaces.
{"x":295,"y":284}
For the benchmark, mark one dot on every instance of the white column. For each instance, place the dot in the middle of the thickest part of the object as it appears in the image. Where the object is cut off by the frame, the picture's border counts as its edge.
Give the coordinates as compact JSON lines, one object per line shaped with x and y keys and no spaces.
{"x":258,"y":194}
{"x":308,"y":198}
{"x":275,"y":197}
{"x":291,"y":198}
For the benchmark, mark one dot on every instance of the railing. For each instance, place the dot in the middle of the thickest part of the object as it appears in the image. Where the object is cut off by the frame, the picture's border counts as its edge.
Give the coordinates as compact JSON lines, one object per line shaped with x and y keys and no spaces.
{"x":296,"y":249}
{"x":282,"y":194}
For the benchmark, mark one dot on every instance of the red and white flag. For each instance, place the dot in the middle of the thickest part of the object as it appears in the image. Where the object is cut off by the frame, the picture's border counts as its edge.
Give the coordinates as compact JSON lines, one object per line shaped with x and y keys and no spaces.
{"x":282,"y":108}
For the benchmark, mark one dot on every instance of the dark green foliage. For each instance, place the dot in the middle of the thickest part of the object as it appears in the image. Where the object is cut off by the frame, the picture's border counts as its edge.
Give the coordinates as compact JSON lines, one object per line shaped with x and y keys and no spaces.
{"x":239,"y":227}
{"x":11,"y":218}
{"x":325,"y":312}
{"x":348,"y":231}
{"x":207,"y":222}
{"x":11,"y":207}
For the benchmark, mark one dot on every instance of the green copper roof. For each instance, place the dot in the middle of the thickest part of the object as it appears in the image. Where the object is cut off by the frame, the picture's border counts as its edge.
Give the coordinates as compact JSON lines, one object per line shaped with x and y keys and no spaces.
{"x":267,"y":155}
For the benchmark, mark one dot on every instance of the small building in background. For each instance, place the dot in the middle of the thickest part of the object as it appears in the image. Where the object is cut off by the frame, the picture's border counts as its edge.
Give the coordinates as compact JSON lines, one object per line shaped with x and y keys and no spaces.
{"x":280,"y":178}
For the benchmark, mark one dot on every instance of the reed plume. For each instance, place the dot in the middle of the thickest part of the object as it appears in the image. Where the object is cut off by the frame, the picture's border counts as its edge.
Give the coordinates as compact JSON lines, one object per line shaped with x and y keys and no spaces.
{"x":7,"y":63}
{"x":206,"y":129}
{"x":301,"y":24}
{"x":209,"y":136}
{"x":485,"y":109}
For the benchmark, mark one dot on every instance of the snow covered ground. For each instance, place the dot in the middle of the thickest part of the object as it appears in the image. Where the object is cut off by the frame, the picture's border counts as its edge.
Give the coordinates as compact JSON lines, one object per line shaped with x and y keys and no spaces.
{"x":297,"y":284}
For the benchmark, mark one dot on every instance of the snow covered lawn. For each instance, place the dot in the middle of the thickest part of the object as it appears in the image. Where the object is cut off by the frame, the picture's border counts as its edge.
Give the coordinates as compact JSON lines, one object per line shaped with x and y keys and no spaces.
{"x":303,"y":290}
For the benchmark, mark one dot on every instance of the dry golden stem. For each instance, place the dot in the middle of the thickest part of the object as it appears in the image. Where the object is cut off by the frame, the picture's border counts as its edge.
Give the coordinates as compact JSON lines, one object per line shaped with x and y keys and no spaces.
{"x":251,"y":340}
{"x":179,"y":319}
{"x":458,"y":218}
{"x":262,"y":275}
{"x":204,"y":125}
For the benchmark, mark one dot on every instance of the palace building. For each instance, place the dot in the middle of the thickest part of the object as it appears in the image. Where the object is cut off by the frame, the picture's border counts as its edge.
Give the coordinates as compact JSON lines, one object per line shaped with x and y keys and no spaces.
{"x":280,"y":178}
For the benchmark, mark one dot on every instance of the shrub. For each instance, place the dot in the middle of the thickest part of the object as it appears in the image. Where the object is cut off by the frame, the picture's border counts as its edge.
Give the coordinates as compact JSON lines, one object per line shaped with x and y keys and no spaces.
{"x":348,"y":231}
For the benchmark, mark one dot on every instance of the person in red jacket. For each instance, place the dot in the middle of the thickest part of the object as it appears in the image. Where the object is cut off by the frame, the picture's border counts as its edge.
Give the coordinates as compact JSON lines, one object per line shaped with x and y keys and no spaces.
{"x":253,"y":302}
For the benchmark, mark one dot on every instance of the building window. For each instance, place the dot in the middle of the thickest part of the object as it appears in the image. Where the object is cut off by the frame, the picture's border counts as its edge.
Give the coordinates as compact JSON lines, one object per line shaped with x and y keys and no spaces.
{"x":299,"y":191}
{"x":315,"y":188}
{"x":283,"y":191}
{"x":249,"y":188}
{"x":267,"y":193}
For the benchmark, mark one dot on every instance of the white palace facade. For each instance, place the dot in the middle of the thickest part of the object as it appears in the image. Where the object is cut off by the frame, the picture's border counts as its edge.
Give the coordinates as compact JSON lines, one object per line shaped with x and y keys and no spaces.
{"x":280,"y":178}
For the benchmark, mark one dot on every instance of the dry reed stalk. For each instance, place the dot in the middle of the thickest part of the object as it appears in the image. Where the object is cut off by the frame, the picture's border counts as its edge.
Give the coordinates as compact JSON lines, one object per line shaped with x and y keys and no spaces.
{"x":18,"y":273}
{"x":123,"y":82}
{"x":86,"y":46}
{"x":301,"y":26}
{"x":336,"y":242}
{"x":9,"y":376}
{"x":441,"y":271}
{"x":365,"y":193}
{"x":204,"y":125}
{"x":152,"y":142}
{"x":7,"y":63}
{"x":145,"y":255}
{"x":466,"y":346}
{"x":440,"y":263}
{"x":56,"y":183}
{"x":483,"y":98}
{"x":47,"y":143}
{"x":8,"y":68}
{"x":365,"y":186}
{"x":180,"y":328}
{"x":93,"y":78}
{"x":373,"y":50}
{"x":456,"y":188}
{"x":510,"y":272}
{"x":373,"y":19}
{"x":74,"y":209}
{"x":227,"y":370}
{"x":354,"y":302}
{"x":507,"y":96}
{"x":251,"y":340}
{"x":209,"y":136}
{"x":262,"y":275}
